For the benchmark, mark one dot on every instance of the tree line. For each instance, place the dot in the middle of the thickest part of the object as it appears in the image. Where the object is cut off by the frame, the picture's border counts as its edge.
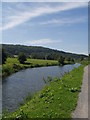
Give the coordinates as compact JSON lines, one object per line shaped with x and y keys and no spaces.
{"x":61,"y":60}
{"x":22,"y":58}
{"x":35,"y":52}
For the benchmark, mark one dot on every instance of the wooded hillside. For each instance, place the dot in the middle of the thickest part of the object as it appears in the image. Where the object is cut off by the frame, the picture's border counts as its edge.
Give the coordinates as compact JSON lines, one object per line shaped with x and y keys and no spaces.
{"x":36,"y":52}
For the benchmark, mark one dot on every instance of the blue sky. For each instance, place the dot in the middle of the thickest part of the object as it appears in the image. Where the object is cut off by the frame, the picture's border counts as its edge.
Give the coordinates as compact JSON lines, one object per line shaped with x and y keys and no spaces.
{"x":62,"y":26}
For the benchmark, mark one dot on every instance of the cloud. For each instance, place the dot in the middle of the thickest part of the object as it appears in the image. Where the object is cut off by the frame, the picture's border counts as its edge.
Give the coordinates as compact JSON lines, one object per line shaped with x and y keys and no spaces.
{"x":42,"y":42}
{"x":65,"y":21}
{"x":23,"y":16}
{"x":38,"y":42}
{"x":45,"y":1}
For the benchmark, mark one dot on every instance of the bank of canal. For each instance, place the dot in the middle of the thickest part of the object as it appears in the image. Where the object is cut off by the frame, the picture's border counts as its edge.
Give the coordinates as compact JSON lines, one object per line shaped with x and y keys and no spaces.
{"x":17,"y":86}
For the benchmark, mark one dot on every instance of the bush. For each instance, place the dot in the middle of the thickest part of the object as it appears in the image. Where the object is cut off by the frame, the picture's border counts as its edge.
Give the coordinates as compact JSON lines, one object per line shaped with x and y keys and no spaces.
{"x":7,"y":70}
{"x":4,"y":57}
{"x":61,"y":60}
{"x":16,"y":67}
{"x":22,"y":58}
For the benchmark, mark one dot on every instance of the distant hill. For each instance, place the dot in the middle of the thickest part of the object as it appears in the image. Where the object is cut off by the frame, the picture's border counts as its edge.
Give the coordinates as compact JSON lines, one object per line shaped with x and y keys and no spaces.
{"x":38,"y":52}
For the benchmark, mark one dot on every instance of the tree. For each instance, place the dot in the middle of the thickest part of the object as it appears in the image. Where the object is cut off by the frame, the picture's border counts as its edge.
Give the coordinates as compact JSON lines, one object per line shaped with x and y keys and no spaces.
{"x":22,"y":58}
{"x":67,"y":59}
{"x":4,"y":57}
{"x":89,"y":57}
{"x":81,"y":59}
{"x":61,"y":60}
{"x":72,"y":60}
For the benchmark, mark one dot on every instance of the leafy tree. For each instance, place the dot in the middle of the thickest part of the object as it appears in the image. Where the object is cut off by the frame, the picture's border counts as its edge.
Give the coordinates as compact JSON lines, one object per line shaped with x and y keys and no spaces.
{"x":4,"y":57}
{"x":22,"y":58}
{"x":81,"y":59}
{"x":67,"y":59}
{"x":89,"y":57}
{"x":72,"y":60}
{"x":50,"y":56}
{"x":61,"y":60}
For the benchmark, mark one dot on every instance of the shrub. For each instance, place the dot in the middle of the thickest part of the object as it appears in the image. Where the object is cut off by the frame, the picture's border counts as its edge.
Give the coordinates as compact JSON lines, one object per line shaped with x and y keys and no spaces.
{"x":4,"y":57}
{"x":61,"y":60}
{"x":22,"y":58}
{"x":7,"y":70}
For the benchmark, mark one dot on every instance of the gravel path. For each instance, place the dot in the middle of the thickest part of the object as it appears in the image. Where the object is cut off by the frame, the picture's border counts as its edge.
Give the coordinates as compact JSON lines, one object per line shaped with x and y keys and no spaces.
{"x":82,"y":107}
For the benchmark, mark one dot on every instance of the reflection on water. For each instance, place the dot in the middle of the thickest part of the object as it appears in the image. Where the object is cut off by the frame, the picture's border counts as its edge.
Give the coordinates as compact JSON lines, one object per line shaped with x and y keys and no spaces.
{"x":17,"y":86}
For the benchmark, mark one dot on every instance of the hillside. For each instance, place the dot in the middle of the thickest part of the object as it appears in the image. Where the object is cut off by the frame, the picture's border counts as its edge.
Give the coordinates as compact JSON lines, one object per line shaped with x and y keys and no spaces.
{"x":38,"y":52}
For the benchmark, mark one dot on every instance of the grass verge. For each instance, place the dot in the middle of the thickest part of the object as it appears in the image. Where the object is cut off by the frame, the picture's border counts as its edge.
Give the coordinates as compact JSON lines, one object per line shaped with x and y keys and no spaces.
{"x":58,"y":100}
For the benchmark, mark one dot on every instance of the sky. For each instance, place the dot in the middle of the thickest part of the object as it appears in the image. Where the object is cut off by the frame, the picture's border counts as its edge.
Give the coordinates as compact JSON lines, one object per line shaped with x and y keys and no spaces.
{"x":58,"y":25}
{"x":44,"y":0}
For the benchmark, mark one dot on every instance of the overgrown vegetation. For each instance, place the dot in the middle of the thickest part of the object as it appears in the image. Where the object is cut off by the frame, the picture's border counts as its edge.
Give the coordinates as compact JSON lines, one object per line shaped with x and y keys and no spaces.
{"x":84,"y":61}
{"x":58,"y":100}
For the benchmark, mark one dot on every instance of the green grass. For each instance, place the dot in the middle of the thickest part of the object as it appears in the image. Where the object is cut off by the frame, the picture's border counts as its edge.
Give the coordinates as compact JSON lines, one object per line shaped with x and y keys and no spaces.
{"x":85,"y":62}
{"x":58,"y":100}
{"x":12,"y":65}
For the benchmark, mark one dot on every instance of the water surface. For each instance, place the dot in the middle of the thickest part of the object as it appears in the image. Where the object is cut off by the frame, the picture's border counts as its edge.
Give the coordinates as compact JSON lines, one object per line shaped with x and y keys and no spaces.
{"x":17,"y":86}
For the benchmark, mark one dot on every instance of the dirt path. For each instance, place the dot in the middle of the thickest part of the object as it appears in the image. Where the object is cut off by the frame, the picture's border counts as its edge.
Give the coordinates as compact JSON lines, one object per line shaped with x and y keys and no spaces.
{"x":82,"y":107}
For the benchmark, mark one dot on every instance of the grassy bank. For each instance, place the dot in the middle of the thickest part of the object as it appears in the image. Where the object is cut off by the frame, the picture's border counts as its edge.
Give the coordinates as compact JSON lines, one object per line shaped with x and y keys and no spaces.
{"x":85,"y":62}
{"x":58,"y":100}
{"x":12,"y":65}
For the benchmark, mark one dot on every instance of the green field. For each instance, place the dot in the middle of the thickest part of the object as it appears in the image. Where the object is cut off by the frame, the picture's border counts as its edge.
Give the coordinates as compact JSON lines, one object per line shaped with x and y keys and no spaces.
{"x":58,"y":100}
{"x":12,"y":65}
